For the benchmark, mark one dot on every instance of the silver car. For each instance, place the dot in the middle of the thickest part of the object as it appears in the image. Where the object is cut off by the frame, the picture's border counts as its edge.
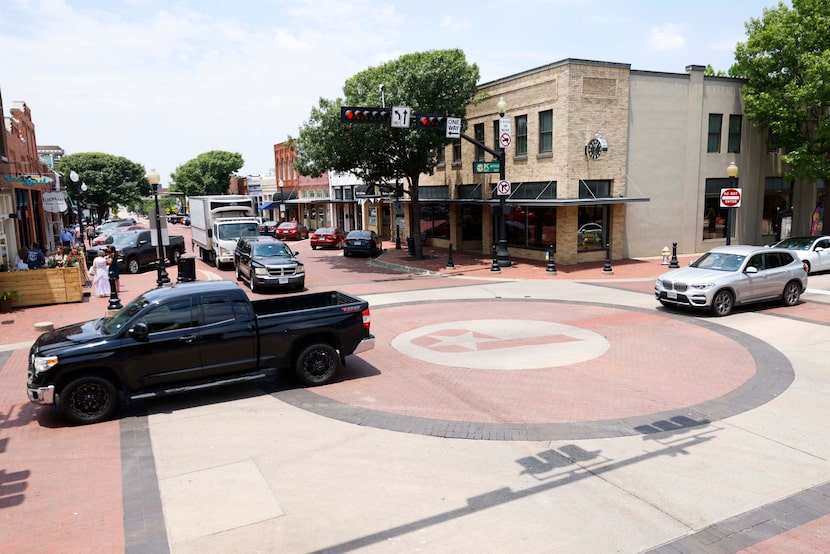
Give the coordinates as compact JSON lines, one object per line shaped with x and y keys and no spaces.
{"x":728,"y":276}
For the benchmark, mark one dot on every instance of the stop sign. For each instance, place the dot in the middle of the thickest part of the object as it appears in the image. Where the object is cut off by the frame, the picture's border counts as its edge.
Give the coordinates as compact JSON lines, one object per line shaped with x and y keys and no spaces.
{"x":730,"y":198}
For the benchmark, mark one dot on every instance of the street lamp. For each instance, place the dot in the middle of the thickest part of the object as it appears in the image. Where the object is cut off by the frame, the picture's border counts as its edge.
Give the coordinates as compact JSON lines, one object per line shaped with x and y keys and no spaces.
{"x":281,"y":184}
{"x":154,"y":178}
{"x":732,"y":173}
{"x":502,"y":255}
{"x":73,"y":176}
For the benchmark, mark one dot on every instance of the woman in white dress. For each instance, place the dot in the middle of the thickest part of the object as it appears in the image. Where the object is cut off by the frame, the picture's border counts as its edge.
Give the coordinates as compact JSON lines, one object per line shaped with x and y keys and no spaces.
{"x":101,"y":281}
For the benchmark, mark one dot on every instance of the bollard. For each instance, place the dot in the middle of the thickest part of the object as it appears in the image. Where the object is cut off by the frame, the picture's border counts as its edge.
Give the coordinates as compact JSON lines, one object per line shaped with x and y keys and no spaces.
{"x":450,"y":264}
{"x":665,"y":256}
{"x":551,"y":267}
{"x":674,"y":264}
{"x":397,"y":237}
{"x":494,"y":267}
{"x":115,"y":302}
{"x":607,"y":267}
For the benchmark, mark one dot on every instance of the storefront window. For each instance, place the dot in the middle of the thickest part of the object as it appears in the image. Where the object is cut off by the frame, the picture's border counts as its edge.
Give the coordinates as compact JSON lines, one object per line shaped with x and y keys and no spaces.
{"x":592,"y":229}
{"x":530,"y":226}
{"x":435,"y":220}
{"x":471,"y":222}
{"x":714,"y":217}
{"x":777,"y":201}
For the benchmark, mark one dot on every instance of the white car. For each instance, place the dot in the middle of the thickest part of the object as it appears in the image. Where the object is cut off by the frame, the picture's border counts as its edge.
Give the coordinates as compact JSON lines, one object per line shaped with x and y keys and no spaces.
{"x":728,"y":276}
{"x":814,"y":251}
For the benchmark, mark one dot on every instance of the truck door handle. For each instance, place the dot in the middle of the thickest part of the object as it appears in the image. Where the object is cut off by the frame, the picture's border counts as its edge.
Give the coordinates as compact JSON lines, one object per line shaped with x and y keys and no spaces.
{"x":187,"y":338}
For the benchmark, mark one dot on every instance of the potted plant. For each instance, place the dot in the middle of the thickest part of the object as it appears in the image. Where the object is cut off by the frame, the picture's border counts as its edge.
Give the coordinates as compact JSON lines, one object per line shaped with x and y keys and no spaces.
{"x":6,"y":299}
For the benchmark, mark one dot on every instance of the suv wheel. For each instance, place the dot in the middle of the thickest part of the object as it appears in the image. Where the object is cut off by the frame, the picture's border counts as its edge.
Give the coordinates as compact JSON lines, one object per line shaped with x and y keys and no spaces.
{"x":133,"y":266}
{"x":722,"y":303}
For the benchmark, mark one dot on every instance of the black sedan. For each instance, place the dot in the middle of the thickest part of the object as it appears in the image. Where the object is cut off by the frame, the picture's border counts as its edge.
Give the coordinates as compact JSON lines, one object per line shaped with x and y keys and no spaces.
{"x":362,"y":242}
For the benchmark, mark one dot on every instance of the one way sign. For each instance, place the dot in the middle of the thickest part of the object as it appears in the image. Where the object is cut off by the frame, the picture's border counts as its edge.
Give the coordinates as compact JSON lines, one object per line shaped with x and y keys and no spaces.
{"x":453,"y":127}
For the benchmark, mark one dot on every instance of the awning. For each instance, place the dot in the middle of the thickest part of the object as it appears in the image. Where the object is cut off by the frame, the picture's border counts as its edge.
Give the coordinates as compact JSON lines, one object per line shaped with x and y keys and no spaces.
{"x":265,"y":206}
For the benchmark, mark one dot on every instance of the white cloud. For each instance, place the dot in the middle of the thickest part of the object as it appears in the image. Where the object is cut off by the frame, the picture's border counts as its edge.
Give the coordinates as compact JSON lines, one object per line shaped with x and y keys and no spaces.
{"x":667,"y":37}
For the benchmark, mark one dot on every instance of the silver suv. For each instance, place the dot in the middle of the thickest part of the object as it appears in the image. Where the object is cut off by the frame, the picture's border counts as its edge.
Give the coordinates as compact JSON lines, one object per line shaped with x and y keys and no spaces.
{"x":728,"y":276}
{"x":265,"y":262}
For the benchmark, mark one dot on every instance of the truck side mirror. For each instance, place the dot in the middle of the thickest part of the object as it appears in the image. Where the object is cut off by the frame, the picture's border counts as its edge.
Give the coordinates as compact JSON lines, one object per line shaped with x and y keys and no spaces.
{"x":140,"y":332}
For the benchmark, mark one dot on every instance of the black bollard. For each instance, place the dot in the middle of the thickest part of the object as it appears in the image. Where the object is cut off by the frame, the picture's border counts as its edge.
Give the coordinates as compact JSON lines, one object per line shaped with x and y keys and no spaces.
{"x":115,"y":302}
{"x":673,"y":264}
{"x":397,"y":237}
{"x":450,"y":264}
{"x":494,"y":267}
{"x":551,"y":267}
{"x":607,"y":267}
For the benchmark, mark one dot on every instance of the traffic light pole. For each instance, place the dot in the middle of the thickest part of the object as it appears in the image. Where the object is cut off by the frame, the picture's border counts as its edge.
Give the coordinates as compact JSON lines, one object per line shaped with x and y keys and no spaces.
{"x":502,"y":254}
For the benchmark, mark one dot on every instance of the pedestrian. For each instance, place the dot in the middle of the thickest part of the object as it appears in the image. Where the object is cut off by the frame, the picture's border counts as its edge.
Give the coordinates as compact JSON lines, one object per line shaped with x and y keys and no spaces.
{"x":101,"y":280}
{"x":112,"y":262}
{"x":35,"y":257}
{"x":66,"y":238}
{"x":90,"y":234}
{"x":77,"y":236}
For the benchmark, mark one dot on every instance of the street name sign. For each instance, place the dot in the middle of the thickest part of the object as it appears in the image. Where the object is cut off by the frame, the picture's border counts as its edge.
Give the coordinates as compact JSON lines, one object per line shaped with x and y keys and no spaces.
{"x":486,"y":167}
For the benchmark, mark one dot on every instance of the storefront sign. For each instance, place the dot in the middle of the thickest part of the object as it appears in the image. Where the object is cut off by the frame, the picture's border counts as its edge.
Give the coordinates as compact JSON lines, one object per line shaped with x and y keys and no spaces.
{"x":29,"y":180}
{"x":54,"y":202}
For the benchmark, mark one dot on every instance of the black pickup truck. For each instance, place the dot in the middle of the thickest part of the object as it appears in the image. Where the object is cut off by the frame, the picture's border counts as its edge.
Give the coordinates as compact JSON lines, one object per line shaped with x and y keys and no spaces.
{"x":190,"y":336}
{"x":135,"y":250}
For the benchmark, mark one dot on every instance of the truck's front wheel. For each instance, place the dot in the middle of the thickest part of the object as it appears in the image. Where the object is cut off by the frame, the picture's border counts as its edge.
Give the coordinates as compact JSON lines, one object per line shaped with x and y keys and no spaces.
{"x":133,"y":266}
{"x":317,"y":364}
{"x":88,"y":399}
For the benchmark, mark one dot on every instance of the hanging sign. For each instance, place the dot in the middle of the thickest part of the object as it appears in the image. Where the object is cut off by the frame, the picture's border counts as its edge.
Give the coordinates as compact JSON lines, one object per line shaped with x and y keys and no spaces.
{"x":54,"y":202}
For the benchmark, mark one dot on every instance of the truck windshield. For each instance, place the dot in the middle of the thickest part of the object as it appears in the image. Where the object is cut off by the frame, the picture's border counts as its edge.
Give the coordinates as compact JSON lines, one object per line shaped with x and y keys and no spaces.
{"x":115,"y":323}
{"x":232,"y":231}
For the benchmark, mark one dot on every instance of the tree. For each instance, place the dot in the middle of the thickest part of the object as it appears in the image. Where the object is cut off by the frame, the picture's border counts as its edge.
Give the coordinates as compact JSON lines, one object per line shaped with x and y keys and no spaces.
{"x":786,"y":61}
{"x":437,"y":81}
{"x":110,"y":180}
{"x":207,"y":173}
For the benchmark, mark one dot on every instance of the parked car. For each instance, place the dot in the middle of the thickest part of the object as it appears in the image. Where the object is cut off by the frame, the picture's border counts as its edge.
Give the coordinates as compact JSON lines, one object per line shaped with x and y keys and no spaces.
{"x":728,"y":276}
{"x":813,"y":251}
{"x":177,"y":218}
{"x":268,"y":228}
{"x":265,"y":262}
{"x":291,"y":230}
{"x":189,"y":336}
{"x":362,"y":242}
{"x":327,"y":237}
{"x":112,"y":224}
{"x":107,"y":236}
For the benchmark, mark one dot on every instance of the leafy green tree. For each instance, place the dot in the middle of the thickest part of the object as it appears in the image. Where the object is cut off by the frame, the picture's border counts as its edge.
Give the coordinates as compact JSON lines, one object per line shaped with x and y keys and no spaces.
{"x":207,"y":173}
{"x":437,"y":81}
{"x":786,"y":61}
{"x":110,"y":180}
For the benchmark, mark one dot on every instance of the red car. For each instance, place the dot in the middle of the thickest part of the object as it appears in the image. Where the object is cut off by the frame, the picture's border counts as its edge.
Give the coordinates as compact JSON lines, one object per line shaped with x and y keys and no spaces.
{"x":327,"y":237}
{"x":291,"y":230}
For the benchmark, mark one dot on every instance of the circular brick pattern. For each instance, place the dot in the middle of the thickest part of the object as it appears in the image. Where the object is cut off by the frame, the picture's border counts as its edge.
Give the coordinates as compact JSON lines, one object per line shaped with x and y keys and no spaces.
{"x":647,"y":371}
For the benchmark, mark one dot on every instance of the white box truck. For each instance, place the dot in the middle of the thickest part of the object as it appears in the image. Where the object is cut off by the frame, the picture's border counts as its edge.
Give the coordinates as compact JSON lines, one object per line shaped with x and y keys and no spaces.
{"x":217,"y":222}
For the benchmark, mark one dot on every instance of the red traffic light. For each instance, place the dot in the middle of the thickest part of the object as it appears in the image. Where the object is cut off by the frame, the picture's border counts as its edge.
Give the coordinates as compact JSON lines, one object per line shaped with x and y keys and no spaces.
{"x":433,"y":121}
{"x":364,"y":115}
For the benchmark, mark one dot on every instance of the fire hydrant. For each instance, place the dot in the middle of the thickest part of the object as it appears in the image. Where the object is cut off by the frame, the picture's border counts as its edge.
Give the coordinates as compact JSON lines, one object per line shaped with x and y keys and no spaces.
{"x":666,"y":253}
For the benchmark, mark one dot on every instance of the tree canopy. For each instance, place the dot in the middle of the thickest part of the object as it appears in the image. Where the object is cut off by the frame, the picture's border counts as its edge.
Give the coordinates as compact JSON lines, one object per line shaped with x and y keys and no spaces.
{"x":786,"y":61}
{"x":110,"y":180}
{"x":436,"y":81}
{"x":207,"y":173}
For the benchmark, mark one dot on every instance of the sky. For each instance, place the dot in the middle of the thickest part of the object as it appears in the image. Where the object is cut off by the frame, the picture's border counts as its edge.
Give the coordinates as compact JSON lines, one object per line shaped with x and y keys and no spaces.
{"x":161,"y":81}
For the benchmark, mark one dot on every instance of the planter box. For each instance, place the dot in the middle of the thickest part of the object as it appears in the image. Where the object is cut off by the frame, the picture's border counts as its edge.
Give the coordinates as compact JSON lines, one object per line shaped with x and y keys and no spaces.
{"x":38,"y":287}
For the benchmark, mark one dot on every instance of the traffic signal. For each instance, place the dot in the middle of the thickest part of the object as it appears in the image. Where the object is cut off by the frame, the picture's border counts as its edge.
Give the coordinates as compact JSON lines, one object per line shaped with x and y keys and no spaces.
{"x":434,"y":121}
{"x":364,"y":115}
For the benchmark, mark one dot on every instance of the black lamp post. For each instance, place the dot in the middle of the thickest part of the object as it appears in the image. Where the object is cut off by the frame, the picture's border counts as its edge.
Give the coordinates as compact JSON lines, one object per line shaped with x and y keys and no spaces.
{"x":732,"y":173}
{"x":502,"y":254}
{"x":73,"y":176}
{"x":154,"y":178}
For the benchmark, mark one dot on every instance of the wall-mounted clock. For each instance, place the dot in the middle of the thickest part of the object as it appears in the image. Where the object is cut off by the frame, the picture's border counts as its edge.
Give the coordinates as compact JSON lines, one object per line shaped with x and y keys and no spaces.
{"x":596,"y":146}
